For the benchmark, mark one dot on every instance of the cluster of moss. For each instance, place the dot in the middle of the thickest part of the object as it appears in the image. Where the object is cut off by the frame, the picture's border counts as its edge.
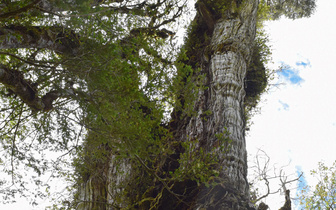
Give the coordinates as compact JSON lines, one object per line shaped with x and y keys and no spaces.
{"x":256,"y":79}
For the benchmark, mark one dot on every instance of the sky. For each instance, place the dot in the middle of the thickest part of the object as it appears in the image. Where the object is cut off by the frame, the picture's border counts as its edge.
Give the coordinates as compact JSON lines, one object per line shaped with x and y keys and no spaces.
{"x":296,"y":125}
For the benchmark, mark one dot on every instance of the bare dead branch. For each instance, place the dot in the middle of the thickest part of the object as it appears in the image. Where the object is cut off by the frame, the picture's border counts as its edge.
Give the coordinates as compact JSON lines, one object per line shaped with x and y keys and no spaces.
{"x":263,"y":172}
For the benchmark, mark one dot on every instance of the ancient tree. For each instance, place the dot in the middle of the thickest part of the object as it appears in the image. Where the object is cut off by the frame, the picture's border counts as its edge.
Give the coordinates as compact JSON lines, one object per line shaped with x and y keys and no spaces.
{"x":136,"y":122}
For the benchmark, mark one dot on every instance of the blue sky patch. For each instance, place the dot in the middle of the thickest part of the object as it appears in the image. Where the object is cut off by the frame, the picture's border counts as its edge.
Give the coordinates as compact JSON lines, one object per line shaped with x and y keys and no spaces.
{"x":302,"y":181}
{"x":284,"y":106}
{"x":291,"y":75}
{"x":301,"y":185}
{"x":302,"y":63}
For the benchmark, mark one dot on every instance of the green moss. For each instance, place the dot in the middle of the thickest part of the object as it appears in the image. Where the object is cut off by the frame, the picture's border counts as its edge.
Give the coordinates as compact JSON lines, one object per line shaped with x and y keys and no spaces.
{"x":256,"y":80}
{"x":256,"y":77}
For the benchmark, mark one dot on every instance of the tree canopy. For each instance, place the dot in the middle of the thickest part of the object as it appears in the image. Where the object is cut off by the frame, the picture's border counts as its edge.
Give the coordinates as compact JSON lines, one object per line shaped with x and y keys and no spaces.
{"x":292,"y":9}
{"x":73,"y":67}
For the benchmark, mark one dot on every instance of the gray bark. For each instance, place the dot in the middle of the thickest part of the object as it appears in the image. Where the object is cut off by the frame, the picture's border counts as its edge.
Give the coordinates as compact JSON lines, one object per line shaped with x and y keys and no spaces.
{"x":232,"y":46}
{"x":104,"y":189}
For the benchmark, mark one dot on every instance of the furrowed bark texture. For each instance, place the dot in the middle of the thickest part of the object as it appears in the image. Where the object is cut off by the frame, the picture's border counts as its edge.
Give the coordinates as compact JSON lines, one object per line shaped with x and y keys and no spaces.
{"x":231,"y":45}
{"x":104,"y":189}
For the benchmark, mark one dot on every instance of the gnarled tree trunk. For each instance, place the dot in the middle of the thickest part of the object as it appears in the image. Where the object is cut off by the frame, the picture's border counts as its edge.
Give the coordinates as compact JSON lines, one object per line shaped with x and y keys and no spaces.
{"x":231,"y":47}
{"x":230,"y":53}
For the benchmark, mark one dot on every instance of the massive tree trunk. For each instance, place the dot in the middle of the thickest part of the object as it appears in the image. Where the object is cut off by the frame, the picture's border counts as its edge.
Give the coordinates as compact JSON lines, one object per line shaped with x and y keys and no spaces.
{"x":123,"y":166}
{"x":230,"y":53}
{"x":231,"y":50}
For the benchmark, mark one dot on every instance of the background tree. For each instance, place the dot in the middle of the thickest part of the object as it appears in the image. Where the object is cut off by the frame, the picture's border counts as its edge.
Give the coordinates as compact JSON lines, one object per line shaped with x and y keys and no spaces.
{"x":323,"y":195}
{"x":292,"y":9}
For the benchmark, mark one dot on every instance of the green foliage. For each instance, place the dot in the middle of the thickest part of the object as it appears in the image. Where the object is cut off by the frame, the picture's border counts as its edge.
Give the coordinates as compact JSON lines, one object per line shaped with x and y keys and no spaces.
{"x":257,"y":75}
{"x":196,"y":40}
{"x":116,"y":100}
{"x":292,"y":9}
{"x":263,"y":12}
{"x":196,"y":164}
{"x":187,"y":83}
{"x":323,"y":195}
{"x":115,"y":85}
{"x":114,"y":74}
